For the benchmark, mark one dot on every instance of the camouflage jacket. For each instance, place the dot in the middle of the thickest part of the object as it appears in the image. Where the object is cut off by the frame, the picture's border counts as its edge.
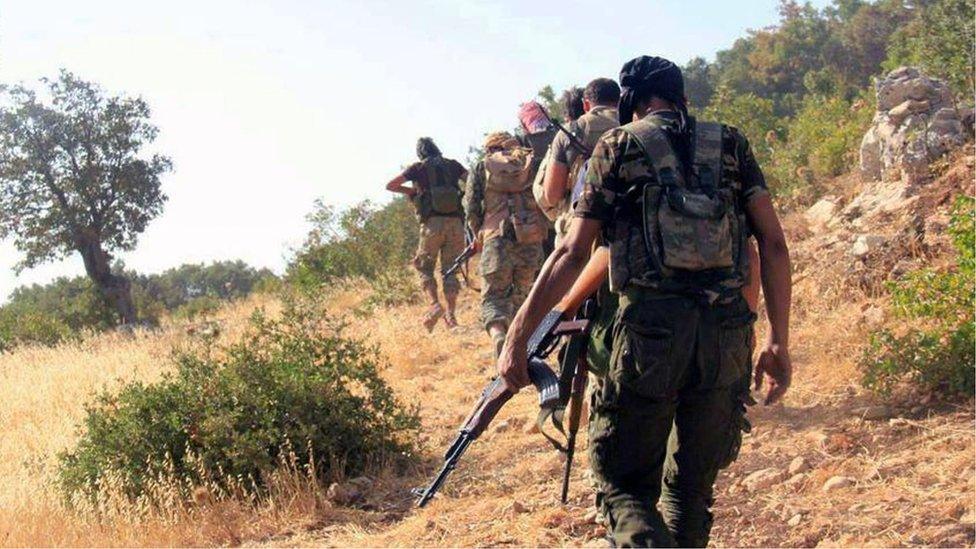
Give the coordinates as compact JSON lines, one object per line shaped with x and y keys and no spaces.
{"x":613,"y":191}
{"x":474,"y":197}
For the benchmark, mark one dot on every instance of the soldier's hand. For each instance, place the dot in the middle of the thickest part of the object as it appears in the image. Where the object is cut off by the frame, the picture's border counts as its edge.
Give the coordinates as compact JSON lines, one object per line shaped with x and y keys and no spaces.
{"x":513,"y":366}
{"x":775,"y":369}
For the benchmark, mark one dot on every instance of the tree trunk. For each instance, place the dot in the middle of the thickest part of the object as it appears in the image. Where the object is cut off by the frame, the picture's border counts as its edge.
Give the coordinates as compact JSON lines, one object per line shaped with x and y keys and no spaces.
{"x":114,"y":288}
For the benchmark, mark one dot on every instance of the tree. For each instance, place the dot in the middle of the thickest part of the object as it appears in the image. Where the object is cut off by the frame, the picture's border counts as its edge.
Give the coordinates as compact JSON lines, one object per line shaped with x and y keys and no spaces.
{"x":699,"y":85}
{"x":73,"y":179}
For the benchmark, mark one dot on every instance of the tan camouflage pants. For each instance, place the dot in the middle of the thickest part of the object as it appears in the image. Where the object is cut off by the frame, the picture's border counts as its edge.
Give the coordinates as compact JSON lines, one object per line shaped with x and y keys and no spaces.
{"x":508,"y":270}
{"x":440,"y":237}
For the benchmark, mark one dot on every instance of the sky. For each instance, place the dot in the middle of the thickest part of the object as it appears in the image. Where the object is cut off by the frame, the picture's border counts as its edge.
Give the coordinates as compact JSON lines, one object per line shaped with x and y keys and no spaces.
{"x":266,"y":105}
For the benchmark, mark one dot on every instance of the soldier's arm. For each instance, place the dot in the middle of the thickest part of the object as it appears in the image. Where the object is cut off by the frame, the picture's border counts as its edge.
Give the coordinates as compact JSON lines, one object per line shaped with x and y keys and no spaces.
{"x":774,"y":365}
{"x":557,"y":173}
{"x":398,"y":185}
{"x":473,"y":199}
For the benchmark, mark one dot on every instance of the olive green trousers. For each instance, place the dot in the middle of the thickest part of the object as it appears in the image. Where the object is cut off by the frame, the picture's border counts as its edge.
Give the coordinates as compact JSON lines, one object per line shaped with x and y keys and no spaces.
{"x":668,"y":415}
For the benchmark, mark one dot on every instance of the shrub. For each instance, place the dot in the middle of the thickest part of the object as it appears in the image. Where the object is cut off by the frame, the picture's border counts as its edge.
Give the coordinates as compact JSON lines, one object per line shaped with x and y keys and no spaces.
{"x":937,"y":351}
{"x":822,"y":142}
{"x":366,"y":241}
{"x":229,"y":414}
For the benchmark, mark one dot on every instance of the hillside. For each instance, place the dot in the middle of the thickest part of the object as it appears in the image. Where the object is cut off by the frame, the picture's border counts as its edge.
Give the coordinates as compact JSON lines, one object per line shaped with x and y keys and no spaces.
{"x":908,"y":464}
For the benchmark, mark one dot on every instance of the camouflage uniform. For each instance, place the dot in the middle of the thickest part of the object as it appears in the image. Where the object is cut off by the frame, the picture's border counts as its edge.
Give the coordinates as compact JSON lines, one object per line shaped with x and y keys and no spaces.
{"x":508,"y":268}
{"x":671,"y":407}
{"x":441,"y":237}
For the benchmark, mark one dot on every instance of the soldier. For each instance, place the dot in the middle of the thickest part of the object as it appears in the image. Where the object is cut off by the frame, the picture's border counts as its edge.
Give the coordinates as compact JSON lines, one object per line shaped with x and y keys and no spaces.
{"x":677,"y":199}
{"x":566,"y":160}
{"x":500,"y":209}
{"x":436,"y":194}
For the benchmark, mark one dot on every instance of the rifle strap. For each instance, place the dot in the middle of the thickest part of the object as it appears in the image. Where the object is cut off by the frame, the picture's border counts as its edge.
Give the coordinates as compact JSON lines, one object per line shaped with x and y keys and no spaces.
{"x":555,"y":415}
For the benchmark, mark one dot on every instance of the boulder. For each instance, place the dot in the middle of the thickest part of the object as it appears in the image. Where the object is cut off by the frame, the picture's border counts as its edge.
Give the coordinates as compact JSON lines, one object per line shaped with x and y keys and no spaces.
{"x":915,"y":123}
{"x":821,"y":214}
{"x":798,"y":465}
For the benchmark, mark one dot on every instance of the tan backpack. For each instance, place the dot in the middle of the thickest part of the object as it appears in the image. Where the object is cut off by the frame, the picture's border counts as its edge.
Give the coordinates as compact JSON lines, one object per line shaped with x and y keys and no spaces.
{"x":508,"y":196}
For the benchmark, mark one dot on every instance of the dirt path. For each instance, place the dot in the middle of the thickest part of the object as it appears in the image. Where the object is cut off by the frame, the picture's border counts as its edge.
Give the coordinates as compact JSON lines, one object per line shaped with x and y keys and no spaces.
{"x":908,"y":470}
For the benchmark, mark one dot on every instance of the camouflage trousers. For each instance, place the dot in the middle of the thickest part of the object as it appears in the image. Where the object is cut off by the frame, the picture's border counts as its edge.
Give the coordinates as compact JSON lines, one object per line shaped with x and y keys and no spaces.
{"x":668,"y":415}
{"x":440,"y":237}
{"x":508,"y":270}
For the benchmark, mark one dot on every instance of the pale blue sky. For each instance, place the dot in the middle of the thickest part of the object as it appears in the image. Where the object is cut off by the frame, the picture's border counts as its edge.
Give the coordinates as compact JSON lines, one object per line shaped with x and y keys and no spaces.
{"x":266,"y":105}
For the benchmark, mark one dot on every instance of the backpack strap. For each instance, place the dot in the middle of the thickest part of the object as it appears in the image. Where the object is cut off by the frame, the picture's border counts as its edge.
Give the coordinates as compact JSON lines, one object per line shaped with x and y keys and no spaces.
{"x":708,"y":153}
{"x":658,"y":151}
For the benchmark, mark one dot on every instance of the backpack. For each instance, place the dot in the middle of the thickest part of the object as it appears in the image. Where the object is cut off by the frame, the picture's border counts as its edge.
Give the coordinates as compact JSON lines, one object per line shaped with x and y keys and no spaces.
{"x":691,"y":219}
{"x":440,"y":196}
{"x":508,"y":195}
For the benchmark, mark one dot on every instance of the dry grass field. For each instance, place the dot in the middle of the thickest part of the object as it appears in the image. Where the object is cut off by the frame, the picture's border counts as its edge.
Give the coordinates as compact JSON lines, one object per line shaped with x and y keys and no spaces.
{"x":908,"y":464}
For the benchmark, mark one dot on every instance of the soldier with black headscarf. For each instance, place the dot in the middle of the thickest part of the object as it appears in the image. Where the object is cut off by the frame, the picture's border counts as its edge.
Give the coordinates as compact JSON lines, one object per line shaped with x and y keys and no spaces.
{"x":676,"y":199}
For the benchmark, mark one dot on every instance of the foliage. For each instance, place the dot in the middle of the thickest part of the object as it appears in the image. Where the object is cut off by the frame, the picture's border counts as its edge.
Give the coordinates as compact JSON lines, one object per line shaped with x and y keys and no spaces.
{"x":230,"y":412}
{"x":940,"y":39}
{"x":73,"y":177}
{"x":68,"y":307}
{"x":822,"y":142}
{"x":937,"y":351}
{"x":751,"y":114}
{"x":366,"y":241}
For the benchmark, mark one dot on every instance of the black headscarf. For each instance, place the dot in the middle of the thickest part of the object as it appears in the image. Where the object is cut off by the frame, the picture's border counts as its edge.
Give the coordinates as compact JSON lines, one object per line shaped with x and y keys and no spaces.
{"x":426,"y":148}
{"x":645,"y":76}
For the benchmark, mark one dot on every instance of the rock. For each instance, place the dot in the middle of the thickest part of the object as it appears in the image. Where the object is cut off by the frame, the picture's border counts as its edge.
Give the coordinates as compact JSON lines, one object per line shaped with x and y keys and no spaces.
{"x":794,"y":520}
{"x":821,"y":214}
{"x":867,"y":243}
{"x":795,"y":480}
{"x":761,"y":479}
{"x":875,"y":413}
{"x":915,"y":123}
{"x":836,"y":483}
{"x":501,"y":426}
{"x":345,"y":493}
{"x":518,"y":508}
{"x":907,"y":108}
{"x":798,"y":465}
{"x":873,"y":316}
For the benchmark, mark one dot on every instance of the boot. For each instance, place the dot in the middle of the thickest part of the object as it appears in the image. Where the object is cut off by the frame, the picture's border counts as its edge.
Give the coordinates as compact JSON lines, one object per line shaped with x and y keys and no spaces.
{"x":433,"y":315}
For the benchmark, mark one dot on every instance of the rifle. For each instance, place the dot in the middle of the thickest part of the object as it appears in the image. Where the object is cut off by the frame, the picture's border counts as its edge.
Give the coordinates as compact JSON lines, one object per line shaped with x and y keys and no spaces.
{"x":543,"y":341}
{"x":461,"y":260}
{"x":573,"y":140}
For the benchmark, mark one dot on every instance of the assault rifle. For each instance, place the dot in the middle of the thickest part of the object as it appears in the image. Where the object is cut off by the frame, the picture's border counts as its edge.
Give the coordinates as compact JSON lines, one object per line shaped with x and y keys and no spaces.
{"x":573,"y":140}
{"x":471,"y":248}
{"x":553,"y":394}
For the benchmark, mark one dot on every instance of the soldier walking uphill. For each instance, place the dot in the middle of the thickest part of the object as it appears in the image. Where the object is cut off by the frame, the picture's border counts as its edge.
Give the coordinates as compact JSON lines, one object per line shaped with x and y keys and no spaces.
{"x":501,"y":210}
{"x":436,"y":193}
{"x":566,"y":160}
{"x":677,"y":199}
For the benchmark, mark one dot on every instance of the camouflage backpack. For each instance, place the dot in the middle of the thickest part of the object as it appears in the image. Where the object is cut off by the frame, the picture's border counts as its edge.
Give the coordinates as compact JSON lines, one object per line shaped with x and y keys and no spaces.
{"x":693,"y":229}
{"x":440,"y":196}
{"x":508,"y":196}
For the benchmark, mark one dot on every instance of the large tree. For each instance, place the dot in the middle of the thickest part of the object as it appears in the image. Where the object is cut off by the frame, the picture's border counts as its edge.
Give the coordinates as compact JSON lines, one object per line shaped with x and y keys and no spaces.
{"x":74,"y":178}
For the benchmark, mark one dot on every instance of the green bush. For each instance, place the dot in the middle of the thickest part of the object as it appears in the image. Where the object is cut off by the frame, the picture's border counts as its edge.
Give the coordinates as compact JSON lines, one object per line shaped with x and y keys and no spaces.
{"x":232,"y":413}
{"x":366,"y":241}
{"x":937,"y":351}
{"x":822,"y":141}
